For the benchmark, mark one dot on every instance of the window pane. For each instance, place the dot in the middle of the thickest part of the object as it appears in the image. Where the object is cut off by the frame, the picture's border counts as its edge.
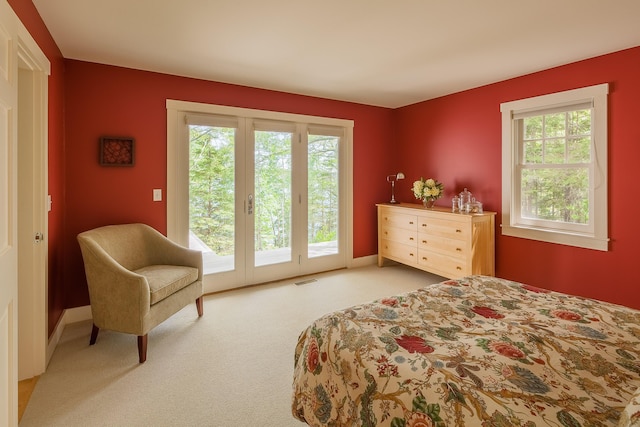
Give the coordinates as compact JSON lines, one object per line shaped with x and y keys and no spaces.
{"x":556,"y":194}
{"x":211,"y":195}
{"x":579,"y":150}
{"x":554,"y":125}
{"x":272,"y":204}
{"x":579,"y":122}
{"x":533,"y":127}
{"x":323,"y":196}
{"x":554,"y":151}
{"x":533,"y":152}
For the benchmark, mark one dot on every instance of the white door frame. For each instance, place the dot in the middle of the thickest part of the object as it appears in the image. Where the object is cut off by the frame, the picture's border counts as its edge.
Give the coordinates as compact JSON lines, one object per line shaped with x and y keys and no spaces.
{"x":17,"y":48}
{"x":33,"y":206}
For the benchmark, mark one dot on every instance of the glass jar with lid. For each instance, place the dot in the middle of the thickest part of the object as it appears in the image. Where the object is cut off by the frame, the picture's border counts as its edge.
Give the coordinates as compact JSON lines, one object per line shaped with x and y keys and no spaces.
{"x":465,"y":200}
{"x":475,"y":207}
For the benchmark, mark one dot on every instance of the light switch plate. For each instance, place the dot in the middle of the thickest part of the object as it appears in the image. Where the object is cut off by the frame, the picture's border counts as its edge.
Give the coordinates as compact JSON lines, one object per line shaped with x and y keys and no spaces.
{"x":157,"y":194}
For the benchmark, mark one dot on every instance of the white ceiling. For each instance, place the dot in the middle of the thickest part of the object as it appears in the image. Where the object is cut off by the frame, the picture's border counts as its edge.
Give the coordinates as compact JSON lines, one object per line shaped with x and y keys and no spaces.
{"x":387,"y":53}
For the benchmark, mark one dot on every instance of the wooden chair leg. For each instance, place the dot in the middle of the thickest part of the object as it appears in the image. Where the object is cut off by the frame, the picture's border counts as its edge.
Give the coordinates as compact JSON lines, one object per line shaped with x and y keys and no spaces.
{"x":199,"y":306}
{"x":142,"y":348}
{"x":94,"y":335}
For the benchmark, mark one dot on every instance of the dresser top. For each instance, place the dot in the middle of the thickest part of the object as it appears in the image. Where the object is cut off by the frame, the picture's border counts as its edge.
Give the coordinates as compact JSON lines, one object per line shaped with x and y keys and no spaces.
{"x":420,"y":207}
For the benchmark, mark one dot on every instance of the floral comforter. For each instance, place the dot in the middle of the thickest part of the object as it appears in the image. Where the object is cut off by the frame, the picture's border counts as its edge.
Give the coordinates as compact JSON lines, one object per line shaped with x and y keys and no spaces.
{"x":478,"y":351}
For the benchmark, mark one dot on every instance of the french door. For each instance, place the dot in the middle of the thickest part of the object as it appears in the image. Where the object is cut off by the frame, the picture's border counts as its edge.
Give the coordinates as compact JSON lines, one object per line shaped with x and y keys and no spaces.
{"x":265,"y":197}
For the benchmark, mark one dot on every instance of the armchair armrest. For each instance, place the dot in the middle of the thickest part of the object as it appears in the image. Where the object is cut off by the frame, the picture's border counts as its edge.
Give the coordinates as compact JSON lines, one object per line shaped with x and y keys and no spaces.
{"x":168,"y":252}
{"x":118,"y":296}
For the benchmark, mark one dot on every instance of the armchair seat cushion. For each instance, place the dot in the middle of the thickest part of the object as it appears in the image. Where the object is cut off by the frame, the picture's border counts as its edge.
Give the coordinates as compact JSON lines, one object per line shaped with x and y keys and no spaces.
{"x":165,"y":280}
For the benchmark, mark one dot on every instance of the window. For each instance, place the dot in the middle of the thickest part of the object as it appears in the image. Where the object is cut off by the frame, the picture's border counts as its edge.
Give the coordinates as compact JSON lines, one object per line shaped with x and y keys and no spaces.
{"x":554,"y":168}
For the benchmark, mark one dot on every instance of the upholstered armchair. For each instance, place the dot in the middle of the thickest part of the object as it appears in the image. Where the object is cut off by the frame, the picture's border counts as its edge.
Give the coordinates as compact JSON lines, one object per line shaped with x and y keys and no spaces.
{"x":137,"y":278}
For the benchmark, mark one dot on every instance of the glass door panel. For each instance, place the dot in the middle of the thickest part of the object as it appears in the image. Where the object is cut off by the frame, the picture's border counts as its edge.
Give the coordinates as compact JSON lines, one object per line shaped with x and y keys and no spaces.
{"x":272,"y":202}
{"x":323,"y":195}
{"x":211,"y":196}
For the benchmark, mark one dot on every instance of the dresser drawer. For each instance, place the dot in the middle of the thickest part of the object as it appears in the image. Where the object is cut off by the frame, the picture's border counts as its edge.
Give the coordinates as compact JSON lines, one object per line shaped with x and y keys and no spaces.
{"x":448,"y":266}
{"x":398,"y":220}
{"x":440,"y":227}
{"x":399,"y":252}
{"x":452,"y":247}
{"x":401,"y":235}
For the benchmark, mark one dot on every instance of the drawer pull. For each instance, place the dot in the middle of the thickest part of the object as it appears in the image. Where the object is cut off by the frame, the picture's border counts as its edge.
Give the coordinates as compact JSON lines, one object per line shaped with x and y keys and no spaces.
{"x":424,"y":241}
{"x":459,"y":249}
{"x":424,"y":258}
{"x":411,"y":222}
{"x":458,"y":268}
{"x":386,"y":232}
{"x":424,"y":225}
{"x":458,"y":230}
{"x":411,"y":254}
{"x":410,"y":238}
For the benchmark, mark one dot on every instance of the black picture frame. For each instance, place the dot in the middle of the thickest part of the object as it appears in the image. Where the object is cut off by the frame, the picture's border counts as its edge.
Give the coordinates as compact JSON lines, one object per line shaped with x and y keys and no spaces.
{"x":117,"y":151}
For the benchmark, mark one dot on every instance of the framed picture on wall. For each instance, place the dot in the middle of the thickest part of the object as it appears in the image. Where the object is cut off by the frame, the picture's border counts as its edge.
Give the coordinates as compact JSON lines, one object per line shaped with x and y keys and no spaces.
{"x":116,"y":151}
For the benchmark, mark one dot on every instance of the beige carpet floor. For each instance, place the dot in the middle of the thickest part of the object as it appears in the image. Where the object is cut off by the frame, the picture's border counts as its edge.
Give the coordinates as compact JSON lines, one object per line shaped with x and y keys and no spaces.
{"x":232,"y":367}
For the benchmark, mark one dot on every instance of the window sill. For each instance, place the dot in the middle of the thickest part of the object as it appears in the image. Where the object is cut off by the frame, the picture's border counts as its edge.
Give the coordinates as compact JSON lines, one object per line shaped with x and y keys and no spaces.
{"x":562,"y":238}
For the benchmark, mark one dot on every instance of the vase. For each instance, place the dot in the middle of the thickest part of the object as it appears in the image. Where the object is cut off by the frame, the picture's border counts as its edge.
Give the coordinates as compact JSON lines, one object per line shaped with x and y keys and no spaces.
{"x":428,"y":203}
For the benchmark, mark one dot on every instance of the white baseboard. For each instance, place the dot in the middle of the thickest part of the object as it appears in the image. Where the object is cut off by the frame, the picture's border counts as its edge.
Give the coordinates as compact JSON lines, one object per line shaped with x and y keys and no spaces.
{"x":70,"y":315}
{"x":77,"y":314}
{"x":364,"y":261}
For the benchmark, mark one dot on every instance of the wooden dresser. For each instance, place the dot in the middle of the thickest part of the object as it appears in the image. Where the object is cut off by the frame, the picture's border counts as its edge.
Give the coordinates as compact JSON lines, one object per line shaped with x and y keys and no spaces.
{"x":436,"y":240}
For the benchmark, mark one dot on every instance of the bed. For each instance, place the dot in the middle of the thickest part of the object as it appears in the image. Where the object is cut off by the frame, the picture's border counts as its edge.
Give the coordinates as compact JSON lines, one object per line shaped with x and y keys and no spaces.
{"x":477,"y":351}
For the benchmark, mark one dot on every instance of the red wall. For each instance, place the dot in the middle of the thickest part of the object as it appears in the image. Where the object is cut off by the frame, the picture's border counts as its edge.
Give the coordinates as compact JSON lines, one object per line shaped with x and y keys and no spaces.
{"x":104,"y":100}
{"x":29,"y":16}
{"x":457,"y":139}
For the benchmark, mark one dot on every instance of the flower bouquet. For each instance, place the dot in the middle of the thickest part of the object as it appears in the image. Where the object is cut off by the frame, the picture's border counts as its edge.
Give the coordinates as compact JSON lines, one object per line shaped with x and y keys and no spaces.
{"x":428,"y":190}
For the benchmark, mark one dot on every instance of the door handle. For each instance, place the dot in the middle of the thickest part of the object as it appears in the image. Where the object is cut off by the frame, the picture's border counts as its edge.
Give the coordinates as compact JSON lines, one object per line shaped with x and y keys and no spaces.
{"x":250,"y":205}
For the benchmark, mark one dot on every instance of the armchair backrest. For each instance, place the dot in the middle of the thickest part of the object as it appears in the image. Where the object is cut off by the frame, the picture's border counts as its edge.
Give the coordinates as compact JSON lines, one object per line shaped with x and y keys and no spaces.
{"x":133,"y":246}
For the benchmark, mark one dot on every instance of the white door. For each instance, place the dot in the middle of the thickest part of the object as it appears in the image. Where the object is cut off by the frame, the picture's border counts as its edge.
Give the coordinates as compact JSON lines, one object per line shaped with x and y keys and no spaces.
{"x":264,"y":198}
{"x":8,"y":218}
{"x":19,"y":50}
{"x":270,"y":230}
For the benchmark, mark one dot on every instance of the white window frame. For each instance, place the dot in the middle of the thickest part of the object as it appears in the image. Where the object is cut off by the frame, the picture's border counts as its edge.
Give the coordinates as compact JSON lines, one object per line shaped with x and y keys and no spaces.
{"x":593,"y":235}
